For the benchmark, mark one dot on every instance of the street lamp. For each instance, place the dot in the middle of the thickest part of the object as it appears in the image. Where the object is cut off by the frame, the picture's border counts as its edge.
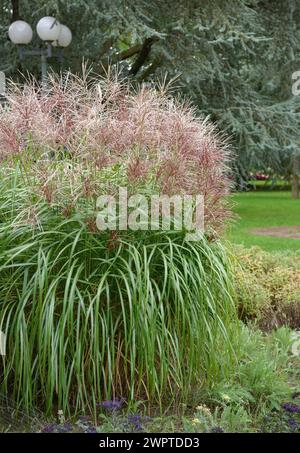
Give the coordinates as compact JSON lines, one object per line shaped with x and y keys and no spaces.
{"x":50,"y":31}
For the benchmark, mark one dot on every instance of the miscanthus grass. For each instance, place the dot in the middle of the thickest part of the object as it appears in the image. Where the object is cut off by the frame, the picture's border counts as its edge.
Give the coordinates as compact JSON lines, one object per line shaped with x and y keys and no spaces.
{"x":99,"y":127}
{"x":93,"y":315}
{"x":142,"y":316}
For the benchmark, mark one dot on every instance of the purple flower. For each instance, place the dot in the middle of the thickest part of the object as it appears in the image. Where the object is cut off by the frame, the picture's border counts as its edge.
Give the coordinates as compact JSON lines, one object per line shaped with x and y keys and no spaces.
{"x":49,"y":428}
{"x":291,"y":407}
{"x":58,"y":428}
{"x":113,"y":405}
{"x":64,"y":428}
{"x":91,"y":430}
{"x":135,"y":422}
{"x":134,"y":418}
{"x":292,"y":423}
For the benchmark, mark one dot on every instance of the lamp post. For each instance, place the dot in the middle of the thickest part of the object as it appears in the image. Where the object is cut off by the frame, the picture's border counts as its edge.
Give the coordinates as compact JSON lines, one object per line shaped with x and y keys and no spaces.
{"x":2,"y":87}
{"x":50,"y":31}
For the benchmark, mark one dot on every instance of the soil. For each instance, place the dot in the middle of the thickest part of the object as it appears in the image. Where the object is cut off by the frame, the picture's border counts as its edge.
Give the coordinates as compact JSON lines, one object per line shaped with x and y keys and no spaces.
{"x":292,"y":232}
{"x":288,"y":315}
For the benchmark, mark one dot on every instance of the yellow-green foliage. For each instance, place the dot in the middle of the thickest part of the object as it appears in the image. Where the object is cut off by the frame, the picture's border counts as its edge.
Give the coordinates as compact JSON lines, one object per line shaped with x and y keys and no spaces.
{"x":268,"y":286}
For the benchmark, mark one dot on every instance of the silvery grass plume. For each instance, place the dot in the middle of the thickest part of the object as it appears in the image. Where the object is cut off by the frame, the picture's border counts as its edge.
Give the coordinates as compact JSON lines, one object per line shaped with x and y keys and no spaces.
{"x":80,"y":128}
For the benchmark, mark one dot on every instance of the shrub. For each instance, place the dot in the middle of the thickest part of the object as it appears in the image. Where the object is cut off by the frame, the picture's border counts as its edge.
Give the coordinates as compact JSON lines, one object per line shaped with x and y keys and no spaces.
{"x":268,"y":287}
{"x":88,"y":314}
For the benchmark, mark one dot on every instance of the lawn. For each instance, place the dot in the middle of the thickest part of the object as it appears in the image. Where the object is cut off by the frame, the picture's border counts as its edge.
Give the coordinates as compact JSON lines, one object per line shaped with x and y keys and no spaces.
{"x":262,"y":209}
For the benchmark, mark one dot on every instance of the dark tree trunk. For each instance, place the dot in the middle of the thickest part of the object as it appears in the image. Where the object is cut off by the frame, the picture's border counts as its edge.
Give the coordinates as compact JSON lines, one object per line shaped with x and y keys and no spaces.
{"x":295,"y":186}
{"x":143,"y":55}
{"x":295,"y":177}
{"x":15,"y":10}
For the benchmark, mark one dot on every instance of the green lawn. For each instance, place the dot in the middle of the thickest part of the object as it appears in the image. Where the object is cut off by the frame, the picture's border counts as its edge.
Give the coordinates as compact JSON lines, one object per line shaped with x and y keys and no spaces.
{"x":279,"y":184}
{"x":261,"y":209}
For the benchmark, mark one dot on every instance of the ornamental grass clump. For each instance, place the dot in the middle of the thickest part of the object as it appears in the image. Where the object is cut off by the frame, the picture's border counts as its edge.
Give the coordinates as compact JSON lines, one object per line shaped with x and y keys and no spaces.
{"x":104,"y":315}
{"x":80,"y":138}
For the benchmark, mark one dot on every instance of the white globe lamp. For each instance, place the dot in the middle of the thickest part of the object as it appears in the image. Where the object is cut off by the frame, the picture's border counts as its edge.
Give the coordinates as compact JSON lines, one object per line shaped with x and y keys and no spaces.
{"x":48,"y":29}
{"x":64,"y":38}
{"x":20,"y":32}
